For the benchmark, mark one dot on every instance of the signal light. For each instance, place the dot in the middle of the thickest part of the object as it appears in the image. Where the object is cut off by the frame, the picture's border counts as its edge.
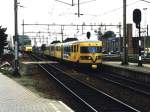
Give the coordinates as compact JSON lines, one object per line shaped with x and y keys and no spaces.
{"x":88,"y":35}
{"x":137,"y":17}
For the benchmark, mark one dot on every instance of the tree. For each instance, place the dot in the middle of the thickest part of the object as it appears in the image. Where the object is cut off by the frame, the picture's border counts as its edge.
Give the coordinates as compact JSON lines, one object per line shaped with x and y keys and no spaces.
{"x":109,"y":34}
{"x":3,"y":40}
{"x":99,"y":33}
{"x":24,"y":40}
{"x":70,"y":39}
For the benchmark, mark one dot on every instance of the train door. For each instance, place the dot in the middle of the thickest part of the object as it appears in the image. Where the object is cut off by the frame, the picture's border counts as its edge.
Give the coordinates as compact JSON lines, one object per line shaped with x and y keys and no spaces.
{"x":76,"y":53}
{"x":62,"y":51}
{"x":73,"y":53}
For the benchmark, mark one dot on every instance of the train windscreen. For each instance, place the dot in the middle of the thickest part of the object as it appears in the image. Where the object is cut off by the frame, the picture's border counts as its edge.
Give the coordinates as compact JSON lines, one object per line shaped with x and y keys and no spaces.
{"x":90,"y":49}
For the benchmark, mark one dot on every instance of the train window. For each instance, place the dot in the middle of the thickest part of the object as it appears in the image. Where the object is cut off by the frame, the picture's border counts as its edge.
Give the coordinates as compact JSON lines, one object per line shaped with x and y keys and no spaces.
{"x":70,"y":49}
{"x":74,"y":48}
{"x":52,"y":48}
{"x":77,"y":47}
{"x":99,"y":49}
{"x":67,"y":49}
{"x":59,"y":48}
{"x":91,"y":49}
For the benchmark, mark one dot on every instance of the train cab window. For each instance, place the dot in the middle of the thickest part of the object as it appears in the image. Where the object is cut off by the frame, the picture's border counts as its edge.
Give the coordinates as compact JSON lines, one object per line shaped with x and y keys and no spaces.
{"x":90,"y":49}
{"x":99,"y":49}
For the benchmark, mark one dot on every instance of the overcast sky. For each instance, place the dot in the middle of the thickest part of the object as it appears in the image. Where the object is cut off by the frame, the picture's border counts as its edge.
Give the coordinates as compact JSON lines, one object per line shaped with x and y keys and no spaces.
{"x":51,"y":11}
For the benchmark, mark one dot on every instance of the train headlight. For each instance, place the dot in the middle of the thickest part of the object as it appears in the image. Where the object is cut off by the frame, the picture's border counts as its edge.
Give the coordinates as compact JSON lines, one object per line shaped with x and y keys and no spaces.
{"x":89,"y":57}
{"x":94,"y":66}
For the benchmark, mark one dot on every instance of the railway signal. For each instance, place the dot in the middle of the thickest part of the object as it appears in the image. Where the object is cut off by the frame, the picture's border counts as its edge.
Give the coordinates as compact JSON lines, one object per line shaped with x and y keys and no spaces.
{"x":137,"y":17}
{"x":88,"y":35}
{"x":137,"y":21}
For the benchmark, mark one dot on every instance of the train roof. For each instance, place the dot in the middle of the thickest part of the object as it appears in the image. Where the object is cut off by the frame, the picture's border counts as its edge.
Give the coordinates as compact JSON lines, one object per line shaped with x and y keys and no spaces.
{"x":82,"y":41}
{"x":76,"y":42}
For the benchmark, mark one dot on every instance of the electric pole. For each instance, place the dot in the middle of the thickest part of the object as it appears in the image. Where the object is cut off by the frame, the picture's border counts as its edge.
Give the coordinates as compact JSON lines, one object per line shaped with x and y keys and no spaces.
{"x":23,"y":28}
{"x":62,"y":34}
{"x":72,"y":3}
{"x":145,"y":29}
{"x":125,"y":45}
{"x":78,"y":8}
{"x":16,"y":63}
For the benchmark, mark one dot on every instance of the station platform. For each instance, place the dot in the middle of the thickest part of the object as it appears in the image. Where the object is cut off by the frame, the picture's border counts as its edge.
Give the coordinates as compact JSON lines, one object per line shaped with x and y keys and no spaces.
{"x":131,"y":66}
{"x":132,"y":70}
{"x":38,"y":62}
{"x":16,"y":98}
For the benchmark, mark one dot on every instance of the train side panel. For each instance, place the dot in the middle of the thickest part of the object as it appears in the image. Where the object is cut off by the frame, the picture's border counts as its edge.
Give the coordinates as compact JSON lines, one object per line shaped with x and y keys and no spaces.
{"x":58,"y":51}
{"x":85,"y":52}
{"x":47,"y":51}
{"x":52,"y":50}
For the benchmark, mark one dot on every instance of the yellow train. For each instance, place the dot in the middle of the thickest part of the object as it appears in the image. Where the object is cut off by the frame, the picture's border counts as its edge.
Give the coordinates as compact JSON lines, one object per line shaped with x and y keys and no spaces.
{"x":27,"y":48}
{"x":79,"y":52}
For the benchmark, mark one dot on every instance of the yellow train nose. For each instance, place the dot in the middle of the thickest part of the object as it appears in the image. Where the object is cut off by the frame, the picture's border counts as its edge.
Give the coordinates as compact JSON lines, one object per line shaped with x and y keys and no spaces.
{"x":94,"y":58}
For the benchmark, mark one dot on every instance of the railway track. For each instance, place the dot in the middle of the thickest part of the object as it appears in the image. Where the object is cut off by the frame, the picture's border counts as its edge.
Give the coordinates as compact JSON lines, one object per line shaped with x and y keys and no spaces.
{"x":92,"y":99}
{"x":134,"y":85}
{"x":125,"y":82}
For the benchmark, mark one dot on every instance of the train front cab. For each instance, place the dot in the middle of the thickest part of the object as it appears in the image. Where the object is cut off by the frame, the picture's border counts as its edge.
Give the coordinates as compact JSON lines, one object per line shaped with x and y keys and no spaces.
{"x":91,"y":53}
{"x":83,"y":53}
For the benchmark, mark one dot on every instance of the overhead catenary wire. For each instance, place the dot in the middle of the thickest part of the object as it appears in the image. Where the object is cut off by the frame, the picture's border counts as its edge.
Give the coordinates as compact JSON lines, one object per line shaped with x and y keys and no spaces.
{"x":116,"y":9}
{"x":73,"y":4}
{"x":145,"y":1}
{"x":86,"y":2}
{"x":105,"y":13}
{"x":64,"y":2}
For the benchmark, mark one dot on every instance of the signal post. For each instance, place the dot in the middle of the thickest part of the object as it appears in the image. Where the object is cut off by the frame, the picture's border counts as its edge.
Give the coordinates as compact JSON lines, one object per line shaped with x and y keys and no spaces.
{"x":137,"y":21}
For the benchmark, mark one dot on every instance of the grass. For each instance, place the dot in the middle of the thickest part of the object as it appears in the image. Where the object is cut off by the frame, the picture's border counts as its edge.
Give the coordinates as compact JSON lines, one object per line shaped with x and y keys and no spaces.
{"x":6,"y":71}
